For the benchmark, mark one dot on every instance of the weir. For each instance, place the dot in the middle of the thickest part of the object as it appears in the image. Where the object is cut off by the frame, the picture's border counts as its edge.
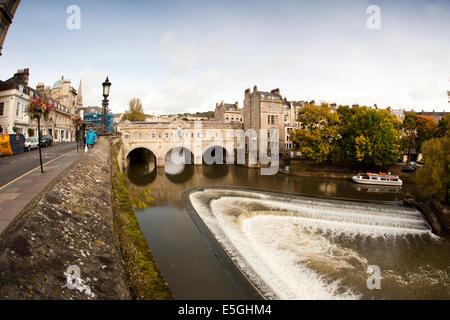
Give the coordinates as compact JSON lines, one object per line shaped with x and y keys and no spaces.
{"x":305,"y":248}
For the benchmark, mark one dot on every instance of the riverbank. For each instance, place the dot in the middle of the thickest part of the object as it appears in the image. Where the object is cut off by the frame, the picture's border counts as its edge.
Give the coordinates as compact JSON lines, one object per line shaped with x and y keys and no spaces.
{"x":66,"y":233}
{"x":143,"y":274}
{"x":436,"y":214}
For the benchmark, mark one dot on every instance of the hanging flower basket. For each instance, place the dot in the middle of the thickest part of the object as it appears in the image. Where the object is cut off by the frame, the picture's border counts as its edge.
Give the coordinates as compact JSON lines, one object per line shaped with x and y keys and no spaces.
{"x":39,"y":108}
{"x":77,"y":122}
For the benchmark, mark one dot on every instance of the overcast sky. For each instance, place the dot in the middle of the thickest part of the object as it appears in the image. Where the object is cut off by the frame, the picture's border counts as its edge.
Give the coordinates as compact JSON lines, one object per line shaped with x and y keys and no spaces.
{"x":184,"y":56}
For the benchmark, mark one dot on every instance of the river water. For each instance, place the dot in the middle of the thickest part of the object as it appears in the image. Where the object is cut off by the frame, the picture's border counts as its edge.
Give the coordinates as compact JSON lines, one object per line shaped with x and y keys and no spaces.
{"x":293,"y":237}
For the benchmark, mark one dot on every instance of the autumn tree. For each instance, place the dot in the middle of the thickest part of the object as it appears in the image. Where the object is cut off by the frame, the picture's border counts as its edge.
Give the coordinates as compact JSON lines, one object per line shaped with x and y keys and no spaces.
{"x":135,"y":113}
{"x":318,"y":132}
{"x":443,"y":127}
{"x":426,"y":130}
{"x":434,"y":176}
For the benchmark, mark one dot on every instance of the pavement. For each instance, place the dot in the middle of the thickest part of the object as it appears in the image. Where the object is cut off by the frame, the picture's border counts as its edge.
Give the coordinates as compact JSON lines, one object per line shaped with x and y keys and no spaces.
{"x":23,"y":187}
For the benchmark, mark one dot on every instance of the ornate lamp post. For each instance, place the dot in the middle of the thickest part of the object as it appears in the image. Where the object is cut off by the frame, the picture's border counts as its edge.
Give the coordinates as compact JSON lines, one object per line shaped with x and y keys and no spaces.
{"x":106,"y":88}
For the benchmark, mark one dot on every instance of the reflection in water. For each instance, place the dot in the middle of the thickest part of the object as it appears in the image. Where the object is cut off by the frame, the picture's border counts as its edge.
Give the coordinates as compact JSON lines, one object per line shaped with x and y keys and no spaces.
{"x":142,"y":167}
{"x":215,"y":171}
{"x":184,"y":175}
{"x":377,"y":189}
{"x":410,"y":263}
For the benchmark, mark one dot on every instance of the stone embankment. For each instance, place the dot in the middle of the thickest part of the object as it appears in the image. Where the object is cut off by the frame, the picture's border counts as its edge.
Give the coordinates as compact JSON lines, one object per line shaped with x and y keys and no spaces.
{"x":66,"y":231}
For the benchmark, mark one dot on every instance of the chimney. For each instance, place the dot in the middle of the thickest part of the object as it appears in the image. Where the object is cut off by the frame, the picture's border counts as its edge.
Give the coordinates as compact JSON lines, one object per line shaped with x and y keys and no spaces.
{"x":23,"y":76}
{"x":237,"y":105}
{"x":247,"y":91}
{"x":255,"y":88}
{"x":40,"y":87}
{"x":276,"y":91}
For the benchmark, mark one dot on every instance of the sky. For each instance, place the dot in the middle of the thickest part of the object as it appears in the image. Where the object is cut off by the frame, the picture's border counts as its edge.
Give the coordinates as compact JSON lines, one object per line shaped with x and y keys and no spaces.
{"x":186,"y":55}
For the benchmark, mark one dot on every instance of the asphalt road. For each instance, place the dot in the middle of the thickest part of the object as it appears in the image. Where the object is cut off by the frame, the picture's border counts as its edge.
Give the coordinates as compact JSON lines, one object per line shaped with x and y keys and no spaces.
{"x":12,"y":167}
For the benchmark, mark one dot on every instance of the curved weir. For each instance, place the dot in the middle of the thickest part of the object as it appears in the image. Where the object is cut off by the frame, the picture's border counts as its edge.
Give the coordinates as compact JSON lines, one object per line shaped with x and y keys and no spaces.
{"x":294,"y":247}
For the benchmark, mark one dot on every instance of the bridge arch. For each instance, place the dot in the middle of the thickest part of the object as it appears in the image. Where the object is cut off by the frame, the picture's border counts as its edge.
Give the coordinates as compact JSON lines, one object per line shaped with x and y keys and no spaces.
{"x":179,"y":164}
{"x":216,"y":154}
{"x":141,"y":165}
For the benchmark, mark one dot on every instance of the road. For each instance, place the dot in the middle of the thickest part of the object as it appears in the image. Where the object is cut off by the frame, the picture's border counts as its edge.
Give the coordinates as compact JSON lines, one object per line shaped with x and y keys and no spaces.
{"x":12,"y":167}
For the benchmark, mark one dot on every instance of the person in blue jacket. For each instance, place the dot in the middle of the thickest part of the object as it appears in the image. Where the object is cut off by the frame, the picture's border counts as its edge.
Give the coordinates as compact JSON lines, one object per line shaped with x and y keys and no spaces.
{"x":91,"y":138}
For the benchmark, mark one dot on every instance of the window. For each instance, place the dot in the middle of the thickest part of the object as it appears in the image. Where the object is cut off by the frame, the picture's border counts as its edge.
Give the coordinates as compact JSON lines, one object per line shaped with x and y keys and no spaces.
{"x":17,"y":109}
{"x":272,"y":119}
{"x":2,"y":106}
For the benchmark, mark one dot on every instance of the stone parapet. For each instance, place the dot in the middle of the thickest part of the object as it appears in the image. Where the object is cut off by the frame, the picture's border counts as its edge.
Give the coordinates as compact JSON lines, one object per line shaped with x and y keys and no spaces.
{"x":69,"y":227}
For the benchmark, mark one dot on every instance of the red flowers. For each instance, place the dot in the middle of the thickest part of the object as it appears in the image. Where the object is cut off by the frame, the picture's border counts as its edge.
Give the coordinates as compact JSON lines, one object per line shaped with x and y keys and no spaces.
{"x":39,"y":108}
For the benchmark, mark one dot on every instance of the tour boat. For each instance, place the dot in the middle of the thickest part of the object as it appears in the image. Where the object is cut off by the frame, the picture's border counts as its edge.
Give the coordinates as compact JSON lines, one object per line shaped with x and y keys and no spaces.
{"x":378,"y":179}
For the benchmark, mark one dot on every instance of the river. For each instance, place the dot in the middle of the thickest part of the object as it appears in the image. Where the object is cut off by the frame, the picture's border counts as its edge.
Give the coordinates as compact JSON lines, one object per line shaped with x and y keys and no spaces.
{"x":293,"y":237}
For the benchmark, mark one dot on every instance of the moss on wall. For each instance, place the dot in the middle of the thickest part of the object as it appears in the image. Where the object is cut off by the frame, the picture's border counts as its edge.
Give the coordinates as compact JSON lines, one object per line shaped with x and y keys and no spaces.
{"x":143,"y":274}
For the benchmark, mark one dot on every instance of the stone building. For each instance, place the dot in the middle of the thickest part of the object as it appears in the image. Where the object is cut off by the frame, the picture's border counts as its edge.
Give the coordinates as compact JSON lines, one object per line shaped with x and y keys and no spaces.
{"x":67,"y":101}
{"x":271,"y":112}
{"x":7,"y":10}
{"x":15,"y":94}
{"x":226,"y":112}
{"x":14,"y":97}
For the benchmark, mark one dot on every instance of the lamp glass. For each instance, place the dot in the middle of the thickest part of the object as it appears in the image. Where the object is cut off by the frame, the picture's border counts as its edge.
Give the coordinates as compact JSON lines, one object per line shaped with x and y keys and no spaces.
{"x":106,"y":87}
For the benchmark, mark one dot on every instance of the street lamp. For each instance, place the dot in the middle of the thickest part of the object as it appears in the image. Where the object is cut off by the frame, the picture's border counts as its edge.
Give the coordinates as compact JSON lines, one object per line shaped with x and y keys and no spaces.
{"x":106,"y":89}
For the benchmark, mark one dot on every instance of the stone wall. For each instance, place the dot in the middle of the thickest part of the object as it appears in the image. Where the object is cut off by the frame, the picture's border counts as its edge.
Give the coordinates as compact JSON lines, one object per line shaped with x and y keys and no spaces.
{"x":69,"y":227}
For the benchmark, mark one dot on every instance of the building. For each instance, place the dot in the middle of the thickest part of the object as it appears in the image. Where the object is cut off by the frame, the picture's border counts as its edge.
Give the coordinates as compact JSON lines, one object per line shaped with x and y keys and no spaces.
{"x":64,"y":93}
{"x":399,"y":113}
{"x":15,"y":95}
{"x":94,"y":116}
{"x":436,"y":115}
{"x":7,"y":10}
{"x":226,"y":112}
{"x":67,"y":101}
{"x":270,"y":111}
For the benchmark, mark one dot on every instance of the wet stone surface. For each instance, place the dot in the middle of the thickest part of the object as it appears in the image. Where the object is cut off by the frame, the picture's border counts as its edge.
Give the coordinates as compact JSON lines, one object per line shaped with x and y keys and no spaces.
{"x":70,"y":229}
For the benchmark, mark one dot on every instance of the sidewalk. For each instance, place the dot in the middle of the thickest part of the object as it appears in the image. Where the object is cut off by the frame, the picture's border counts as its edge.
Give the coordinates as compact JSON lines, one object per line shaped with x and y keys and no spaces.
{"x":17,"y":194}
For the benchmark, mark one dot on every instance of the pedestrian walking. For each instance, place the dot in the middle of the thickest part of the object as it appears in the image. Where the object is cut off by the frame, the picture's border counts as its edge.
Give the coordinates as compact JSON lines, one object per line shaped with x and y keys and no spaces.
{"x":91,"y":138}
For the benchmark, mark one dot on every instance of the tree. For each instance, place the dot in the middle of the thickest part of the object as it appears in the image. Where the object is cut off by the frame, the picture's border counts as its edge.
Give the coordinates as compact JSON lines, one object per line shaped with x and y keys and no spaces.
{"x":443,"y":127}
{"x":426,"y":129}
{"x":318,"y":132}
{"x":345,"y":145}
{"x":434,"y":176}
{"x":136,"y":112}
{"x":372,"y":137}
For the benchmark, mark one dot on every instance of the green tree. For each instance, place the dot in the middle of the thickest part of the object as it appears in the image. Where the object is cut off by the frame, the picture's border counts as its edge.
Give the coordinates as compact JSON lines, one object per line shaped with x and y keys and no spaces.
{"x":345,"y":145}
{"x":317,"y":135}
{"x":135,"y":112}
{"x":372,"y":137}
{"x":434,"y":176}
{"x":443,"y":127}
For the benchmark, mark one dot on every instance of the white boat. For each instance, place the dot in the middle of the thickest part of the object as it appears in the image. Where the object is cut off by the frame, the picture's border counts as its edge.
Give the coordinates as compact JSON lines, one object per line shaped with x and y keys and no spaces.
{"x":377,"y":179}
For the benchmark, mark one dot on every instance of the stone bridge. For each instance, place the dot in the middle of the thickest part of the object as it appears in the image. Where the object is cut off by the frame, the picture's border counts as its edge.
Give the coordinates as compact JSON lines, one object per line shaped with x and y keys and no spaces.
{"x":199,"y":138}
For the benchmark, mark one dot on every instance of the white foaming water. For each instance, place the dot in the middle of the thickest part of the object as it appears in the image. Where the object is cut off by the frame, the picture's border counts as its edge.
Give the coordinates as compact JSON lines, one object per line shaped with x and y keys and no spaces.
{"x":281,"y":243}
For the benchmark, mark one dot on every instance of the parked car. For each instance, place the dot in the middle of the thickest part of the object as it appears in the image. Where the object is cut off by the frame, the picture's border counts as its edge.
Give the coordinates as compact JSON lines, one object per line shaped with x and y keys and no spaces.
{"x":409,"y":168}
{"x":46,"y":141}
{"x":31,"y":143}
{"x":415,"y":164}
